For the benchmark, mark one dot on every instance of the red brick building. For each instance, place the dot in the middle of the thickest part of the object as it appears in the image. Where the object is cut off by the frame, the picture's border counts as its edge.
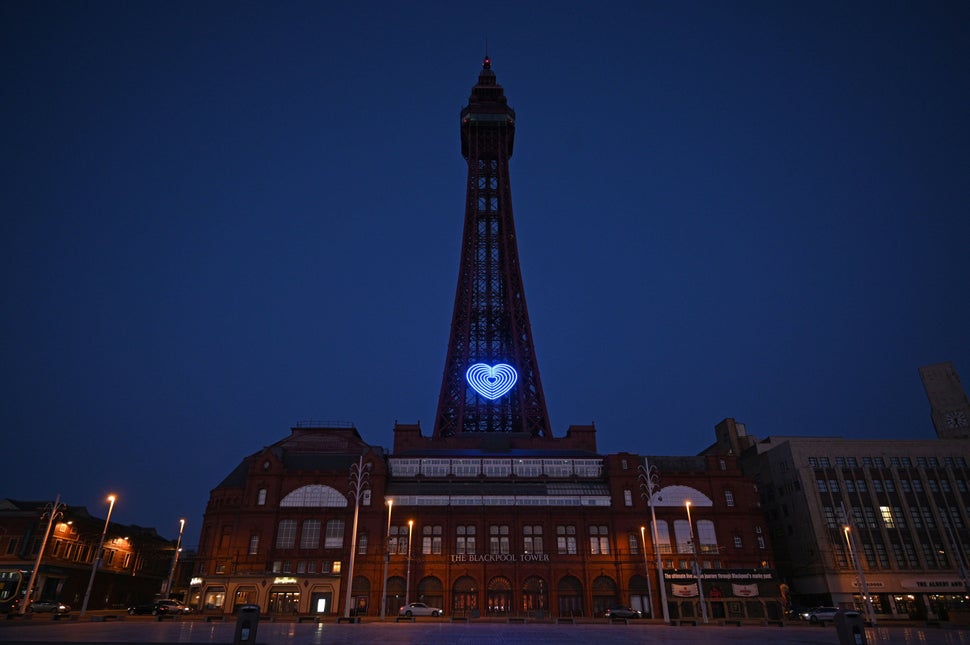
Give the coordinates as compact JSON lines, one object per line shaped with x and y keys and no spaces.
{"x":502,"y":525}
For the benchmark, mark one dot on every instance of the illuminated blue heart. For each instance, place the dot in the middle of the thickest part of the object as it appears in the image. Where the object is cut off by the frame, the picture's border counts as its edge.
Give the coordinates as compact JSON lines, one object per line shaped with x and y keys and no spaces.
{"x":491,"y":381}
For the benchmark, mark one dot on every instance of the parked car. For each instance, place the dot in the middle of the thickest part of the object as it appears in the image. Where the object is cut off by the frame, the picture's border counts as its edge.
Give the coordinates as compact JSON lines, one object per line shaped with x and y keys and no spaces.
{"x":160,"y":607}
{"x":623,"y":612}
{"x":817,"y":614}
{"x":51,"y":606}
{"x":420,"y":609}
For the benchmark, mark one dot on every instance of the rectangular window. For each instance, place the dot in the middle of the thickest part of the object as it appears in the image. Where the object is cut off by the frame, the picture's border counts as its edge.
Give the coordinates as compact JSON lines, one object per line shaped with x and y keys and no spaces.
{"x":599,"y":540}
{"x":532,"y":539}
{"x":465,"y":539}
{"x":820,"y":485}
{"x":335,"y":534}
{"x":286,"y":534}
{"x":887,"y":517}
{"x":634,"y":541}
{"x":566,"y":539}
{"x":253,"y":544}
{"x":849,"y":486}
{"x":431,"y":540}
{"x":310,"y":536}
{"x":737,"y":542}
{"x":628,"y":498}
{"x":890,"y":486}
{"x":261,"y":497}
{"x":812,"y":462}
{"x":729,"y":498}
{"x":498,"y":538}
{"x":361,"y":544}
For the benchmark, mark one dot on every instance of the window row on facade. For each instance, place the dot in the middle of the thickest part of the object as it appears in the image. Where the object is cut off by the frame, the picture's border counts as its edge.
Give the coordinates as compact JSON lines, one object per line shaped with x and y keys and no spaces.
{"x":401,"y":467}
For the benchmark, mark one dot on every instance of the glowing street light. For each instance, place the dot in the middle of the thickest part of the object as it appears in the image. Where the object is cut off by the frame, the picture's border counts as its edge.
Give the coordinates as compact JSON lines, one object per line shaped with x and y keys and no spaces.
{"x":175,"y":559}
{"x":697,"y":566}
{"x":387,"y":557}
{"x":97,"y":558}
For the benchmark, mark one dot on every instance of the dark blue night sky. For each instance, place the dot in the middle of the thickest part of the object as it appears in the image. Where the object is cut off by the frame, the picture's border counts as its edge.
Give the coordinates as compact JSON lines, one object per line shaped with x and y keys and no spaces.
{"x":222,"y":218}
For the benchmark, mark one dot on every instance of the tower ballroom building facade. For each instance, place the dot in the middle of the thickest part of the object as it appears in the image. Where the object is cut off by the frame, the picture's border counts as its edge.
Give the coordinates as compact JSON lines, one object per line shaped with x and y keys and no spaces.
{"x":489,"y":514}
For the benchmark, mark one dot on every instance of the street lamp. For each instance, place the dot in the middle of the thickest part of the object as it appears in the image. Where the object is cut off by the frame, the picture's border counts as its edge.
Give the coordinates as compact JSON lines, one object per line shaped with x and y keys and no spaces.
{"x":387,"y":557}
{"x":175,"y":559}
{"x":649,"y":485}
{"x":863,"y":587}
{"x":407,"y":586}
{"x":53,"y":512}
{"x":97,"y":556}
{"x":359,"y":481}
{"x":646,"y":567}
{"x":697,"y":566}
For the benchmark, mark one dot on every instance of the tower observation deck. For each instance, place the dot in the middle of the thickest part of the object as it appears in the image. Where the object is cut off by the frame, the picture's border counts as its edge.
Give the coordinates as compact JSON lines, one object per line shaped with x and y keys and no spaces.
{"x":491,"y":376}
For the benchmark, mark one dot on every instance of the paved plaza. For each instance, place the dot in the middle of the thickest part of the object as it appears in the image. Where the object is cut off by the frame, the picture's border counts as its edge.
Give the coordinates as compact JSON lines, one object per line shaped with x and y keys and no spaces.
{"x":443,"y":632}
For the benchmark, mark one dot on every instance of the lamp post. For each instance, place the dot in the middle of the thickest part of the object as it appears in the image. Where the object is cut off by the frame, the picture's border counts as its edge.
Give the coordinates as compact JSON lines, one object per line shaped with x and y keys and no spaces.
{"x":863,"y":587}
{"x":407,"y":586}
{"x":175,"y":559}
{"x":697,"y":566}
{"x":53,"y":512}
{"x":646,"y":567}
{"x":387,"y":558}
{"x":97,"y":556}
{"x":650,"y":485}
{"x":359,"y":481}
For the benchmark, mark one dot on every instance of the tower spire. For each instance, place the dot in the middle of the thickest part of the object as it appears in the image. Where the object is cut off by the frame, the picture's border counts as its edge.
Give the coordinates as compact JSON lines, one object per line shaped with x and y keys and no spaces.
{"x":491,"y":376}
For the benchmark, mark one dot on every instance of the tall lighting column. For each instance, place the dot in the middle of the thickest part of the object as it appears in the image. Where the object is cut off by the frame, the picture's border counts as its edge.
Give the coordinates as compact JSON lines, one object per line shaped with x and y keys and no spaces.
{"x":387,"y":557}
{"x":52,"y":514}
{"x":175,"y":559}
{"x":646,"y":566}
{"x":649,"y":486}
{"x":359,"y":482}
{"x":863,"y":587}
{"x":697,"y":565}
{"x":407,"y":586}
{"x":97,"y":555}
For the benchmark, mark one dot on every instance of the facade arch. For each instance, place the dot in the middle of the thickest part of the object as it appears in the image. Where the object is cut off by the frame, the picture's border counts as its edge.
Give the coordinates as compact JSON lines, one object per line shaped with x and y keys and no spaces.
{"x":396,"y":588}
{"x":431,"y":591}
{"x":535,"y":599}
{"x":604,"y":595}
{"x":360,"y":596}
{"x":498,"y":601}
{"x":570,"y":592}
{"x":640,"y":595}
{"x":464,"y":596}
{"x":314,"y":496}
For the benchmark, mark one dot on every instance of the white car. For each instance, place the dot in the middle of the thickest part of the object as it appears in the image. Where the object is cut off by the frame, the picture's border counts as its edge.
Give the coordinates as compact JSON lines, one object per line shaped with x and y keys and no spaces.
{"x":420,"y":609}
{"x":820,"y":614}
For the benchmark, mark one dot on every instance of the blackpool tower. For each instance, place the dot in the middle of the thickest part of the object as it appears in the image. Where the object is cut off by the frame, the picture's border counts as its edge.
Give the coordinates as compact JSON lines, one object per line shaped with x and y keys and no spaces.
{"x":491,"y":376}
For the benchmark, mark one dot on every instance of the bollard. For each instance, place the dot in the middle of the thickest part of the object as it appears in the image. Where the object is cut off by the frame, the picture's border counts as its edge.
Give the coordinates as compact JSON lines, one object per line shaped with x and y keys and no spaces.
{"x":850,"y":628}
{"x":246,"y":624}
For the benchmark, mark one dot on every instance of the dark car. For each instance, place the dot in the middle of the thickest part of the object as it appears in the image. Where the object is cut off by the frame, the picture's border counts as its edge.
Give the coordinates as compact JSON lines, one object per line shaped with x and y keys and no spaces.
{"x":51,"y":606}
{"x":623,"y":612}
{"x":160,"y":608}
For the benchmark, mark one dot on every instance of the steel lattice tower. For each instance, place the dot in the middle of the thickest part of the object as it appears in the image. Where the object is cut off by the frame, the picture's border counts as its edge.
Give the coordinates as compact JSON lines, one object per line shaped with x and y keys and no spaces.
{"x":490,"y":324}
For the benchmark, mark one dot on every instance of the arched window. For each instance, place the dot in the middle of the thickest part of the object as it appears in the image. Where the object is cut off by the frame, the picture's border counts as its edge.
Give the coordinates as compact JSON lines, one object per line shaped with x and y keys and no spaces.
{"x":315,"y":496}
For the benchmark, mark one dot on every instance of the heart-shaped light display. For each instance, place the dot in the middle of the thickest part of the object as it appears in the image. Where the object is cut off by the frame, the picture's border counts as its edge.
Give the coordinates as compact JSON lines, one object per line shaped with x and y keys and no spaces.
{"x":491,"y":381}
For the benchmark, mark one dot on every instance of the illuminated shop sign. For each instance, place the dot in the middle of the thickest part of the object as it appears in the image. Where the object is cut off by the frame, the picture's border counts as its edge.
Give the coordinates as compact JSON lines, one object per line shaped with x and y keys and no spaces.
{"x":284,"y":581}
{"x":501,"y":557}
{"x":491,"y":381}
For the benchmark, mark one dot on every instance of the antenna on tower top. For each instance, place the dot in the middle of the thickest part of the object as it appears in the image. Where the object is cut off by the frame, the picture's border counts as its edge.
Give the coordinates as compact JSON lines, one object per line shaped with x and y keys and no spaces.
{"x":487,"y":62}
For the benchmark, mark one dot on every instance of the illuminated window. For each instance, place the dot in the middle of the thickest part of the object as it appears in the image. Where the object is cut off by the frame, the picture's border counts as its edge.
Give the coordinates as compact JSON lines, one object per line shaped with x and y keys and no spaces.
{"x":261,"y":497}
{"x":628,"y":498}
{"x":253,"y":544}
{"x":887,"y":517}
{"x":361,"y":544}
